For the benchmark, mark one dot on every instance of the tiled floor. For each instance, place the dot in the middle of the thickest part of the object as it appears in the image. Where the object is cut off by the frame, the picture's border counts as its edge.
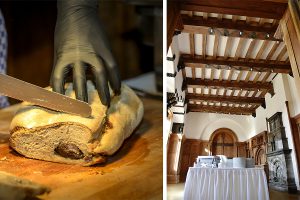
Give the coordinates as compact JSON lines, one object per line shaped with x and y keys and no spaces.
{"x":175,"y":192}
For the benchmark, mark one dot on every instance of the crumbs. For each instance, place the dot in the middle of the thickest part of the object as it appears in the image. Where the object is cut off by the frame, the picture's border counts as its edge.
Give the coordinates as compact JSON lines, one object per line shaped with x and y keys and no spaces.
{"x":4,"y":158}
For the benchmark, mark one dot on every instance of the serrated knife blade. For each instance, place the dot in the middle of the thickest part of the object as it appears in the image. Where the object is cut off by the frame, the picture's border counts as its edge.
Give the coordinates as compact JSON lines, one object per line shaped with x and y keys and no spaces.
{"x":24,"y":91}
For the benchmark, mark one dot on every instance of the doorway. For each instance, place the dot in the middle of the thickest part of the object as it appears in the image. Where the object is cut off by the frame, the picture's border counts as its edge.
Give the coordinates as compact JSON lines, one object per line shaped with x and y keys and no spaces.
{"x":223,"y":142}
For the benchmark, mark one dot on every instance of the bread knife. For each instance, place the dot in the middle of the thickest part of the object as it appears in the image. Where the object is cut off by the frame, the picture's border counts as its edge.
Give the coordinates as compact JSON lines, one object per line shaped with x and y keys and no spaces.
{"x":35,"y":95}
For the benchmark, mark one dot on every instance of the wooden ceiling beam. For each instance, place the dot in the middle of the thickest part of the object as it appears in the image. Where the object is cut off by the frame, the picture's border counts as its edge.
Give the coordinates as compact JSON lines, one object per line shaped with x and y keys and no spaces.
{"x":228,"y":47}
{"x":227,"y":99}
{"x":203,"y":73}
{"x":257,"y":76}
{"x":220,"y":109}
{"x":250,"y":49}
{"x":221,"y":75}
{"x":261,"y":22}
{"x":239,"y":76}
{"x":249,"y":73}
{"x":239,"y":93}
{"x":230,"y":32}
{"x":193,"y":73}
{"x":254,"y":93}
{"x":266,"y":76}
{"x":230,"y":74}
{"x":174,"y":21}
{"x":261,"y":49}
{"x":251,"y":8}
{"x":234,"y":18}
{"x":204,"y":46}
{"x":192,"y":44}
{"x":239,"y":25}
{"x":234,"y":85}
{"x":272,"y":51}
{"x":216,"y":46}
{"x":281,"y":54}
{"x":239,"y":48}
{"x":242,"y":64}
{"x":193,"y":77}
{"x":212,"y":74}
{"x":232,"y":92}
{"x":275,"y":22}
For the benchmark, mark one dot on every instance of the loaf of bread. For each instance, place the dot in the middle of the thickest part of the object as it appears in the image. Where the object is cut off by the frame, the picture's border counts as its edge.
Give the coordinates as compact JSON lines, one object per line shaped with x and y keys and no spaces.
{"x":59,"y":137}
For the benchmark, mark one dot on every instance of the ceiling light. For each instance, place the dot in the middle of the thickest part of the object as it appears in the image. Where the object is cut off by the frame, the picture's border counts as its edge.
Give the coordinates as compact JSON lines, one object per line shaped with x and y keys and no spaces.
{"x":251,"y":69}
{"x":267,"y":35}
{"x":211,"y":31}
{"x":272,"y":70}
{"x":241,"y":33}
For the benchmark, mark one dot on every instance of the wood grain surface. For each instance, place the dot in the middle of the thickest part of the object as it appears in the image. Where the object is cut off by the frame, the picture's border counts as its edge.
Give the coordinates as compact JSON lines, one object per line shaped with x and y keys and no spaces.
{"x":134,"y":172}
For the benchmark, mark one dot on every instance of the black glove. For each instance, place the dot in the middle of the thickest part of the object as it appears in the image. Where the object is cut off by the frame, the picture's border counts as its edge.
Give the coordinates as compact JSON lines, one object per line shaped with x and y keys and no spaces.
{"x":80,"y":43}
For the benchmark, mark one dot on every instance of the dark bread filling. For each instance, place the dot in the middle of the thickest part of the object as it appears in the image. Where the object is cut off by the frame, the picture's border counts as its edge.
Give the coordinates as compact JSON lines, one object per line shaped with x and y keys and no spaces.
{"x":68,"y":150}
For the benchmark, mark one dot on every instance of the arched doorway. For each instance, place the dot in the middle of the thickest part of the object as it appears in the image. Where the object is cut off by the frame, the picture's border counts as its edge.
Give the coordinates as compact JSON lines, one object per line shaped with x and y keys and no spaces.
{"x":223,"y":142}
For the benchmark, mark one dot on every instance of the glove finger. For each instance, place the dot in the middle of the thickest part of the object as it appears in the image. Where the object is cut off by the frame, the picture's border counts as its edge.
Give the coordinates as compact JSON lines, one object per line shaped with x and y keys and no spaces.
{"x":59,"y":73}
{"x":113,"y":72}
{"x":79,"y":81}
{"x":101,"y":81}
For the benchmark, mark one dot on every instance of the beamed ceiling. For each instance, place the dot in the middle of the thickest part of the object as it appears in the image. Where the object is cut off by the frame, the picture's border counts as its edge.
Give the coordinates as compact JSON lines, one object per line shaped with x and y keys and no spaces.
{"x":231,"y":54}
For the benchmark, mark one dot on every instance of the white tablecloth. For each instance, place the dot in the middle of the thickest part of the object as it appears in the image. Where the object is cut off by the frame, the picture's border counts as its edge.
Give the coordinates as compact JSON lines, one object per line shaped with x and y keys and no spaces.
{"x":226,"y":184}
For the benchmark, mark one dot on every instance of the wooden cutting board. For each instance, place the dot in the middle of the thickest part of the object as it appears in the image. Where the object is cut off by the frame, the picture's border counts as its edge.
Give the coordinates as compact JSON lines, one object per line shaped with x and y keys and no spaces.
{"x":134,"y":172}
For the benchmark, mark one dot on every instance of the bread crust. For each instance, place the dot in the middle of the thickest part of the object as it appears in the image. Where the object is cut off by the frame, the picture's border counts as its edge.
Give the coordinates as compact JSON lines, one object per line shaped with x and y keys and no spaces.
{"x":59,"y":137}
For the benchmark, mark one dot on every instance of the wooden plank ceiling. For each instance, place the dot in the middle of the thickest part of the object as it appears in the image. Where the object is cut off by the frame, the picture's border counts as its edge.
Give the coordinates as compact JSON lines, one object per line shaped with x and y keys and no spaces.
{"x":231,"y":59}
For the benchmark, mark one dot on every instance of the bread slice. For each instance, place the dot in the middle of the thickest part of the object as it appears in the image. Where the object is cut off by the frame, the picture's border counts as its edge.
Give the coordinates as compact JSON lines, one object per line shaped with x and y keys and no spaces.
{"x":59,"y":137}
{"x":12,"y":187}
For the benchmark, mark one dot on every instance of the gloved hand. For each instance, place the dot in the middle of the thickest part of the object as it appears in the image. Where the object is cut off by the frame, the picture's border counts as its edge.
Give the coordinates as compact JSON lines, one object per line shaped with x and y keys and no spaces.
{"x":80,"y":43}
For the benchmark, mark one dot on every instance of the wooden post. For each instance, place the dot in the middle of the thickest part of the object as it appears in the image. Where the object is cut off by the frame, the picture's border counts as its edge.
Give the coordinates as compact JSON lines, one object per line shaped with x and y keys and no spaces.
{"x":292,"y":41}
{"x":295,"y":135}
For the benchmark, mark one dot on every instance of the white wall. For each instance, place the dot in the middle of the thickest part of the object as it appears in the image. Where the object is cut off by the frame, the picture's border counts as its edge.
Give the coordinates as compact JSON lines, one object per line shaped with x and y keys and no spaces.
{"x":292,"y":94}
{"x":259,"y":122}
{"x":202,"y":125}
